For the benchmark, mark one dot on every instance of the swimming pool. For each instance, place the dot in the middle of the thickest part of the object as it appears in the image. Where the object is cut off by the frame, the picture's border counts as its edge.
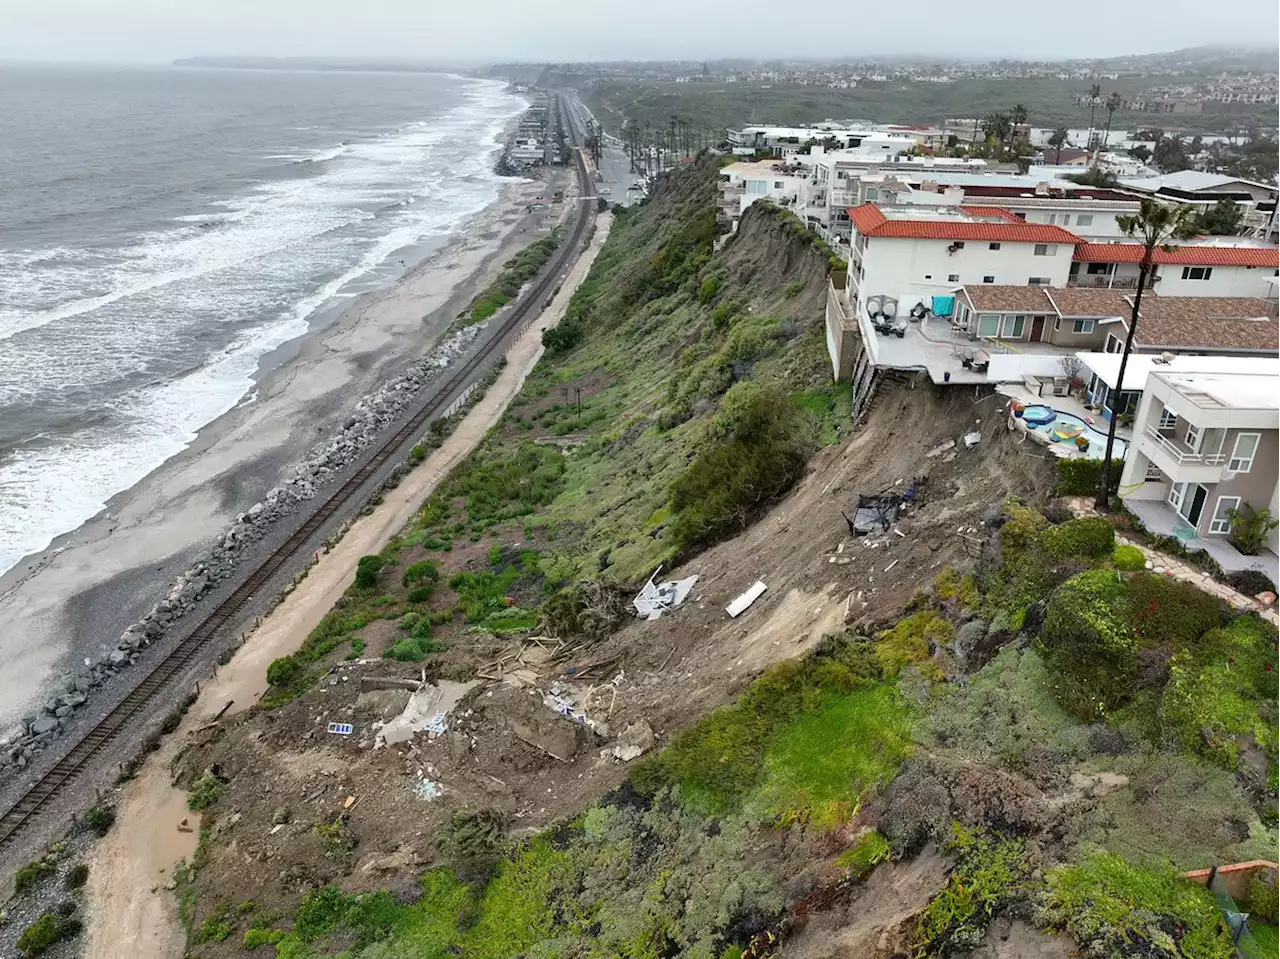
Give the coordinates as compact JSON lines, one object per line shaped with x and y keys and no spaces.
{"x":1064,"y":427}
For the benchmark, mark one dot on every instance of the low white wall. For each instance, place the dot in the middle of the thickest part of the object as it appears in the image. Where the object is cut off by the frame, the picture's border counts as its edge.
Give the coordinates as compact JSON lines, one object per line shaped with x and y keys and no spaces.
{"x":1012,"y":367}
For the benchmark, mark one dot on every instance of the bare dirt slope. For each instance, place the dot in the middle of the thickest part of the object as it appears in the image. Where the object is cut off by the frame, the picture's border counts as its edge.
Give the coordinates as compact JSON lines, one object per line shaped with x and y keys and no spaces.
{"x":500,"y":753}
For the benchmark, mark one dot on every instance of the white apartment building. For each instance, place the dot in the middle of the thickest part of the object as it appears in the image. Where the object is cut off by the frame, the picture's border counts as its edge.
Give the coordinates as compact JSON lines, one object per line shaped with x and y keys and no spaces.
{"x":1234,"y":266}
{"x":743,"y":183}
{"x":1207,"y":443}
{"x":900,"y":251}
{"x":1203,"y":190}
{"x":785,"y":141}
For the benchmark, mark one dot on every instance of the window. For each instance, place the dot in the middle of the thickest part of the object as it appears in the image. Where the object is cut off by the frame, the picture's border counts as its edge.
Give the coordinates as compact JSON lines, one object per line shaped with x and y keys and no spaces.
{"x":988,"y":279}
{"x":993,"y":246}
{"x":1014,"y":326}
{"x":757,"y":187}
{"x":1066,"y":219}
{"x":1084,"y":219}
{"x":777,"y":184}
{"x":1221,"y":520}
{"x":1176,"y":492}
{"x":1114,"y":344}
{"x":928,"y":276}
{"x":1100,"y":269}
{"x":958,"y":244}
{"x":1053,"y":218}
{"x":953,"y":277}
{"x":1020,"y":216}
{"x":1197,"y":272}
{"x":1039,"y":281}
{"x":1046,"y":249}
{"x":872,"y":195}
{"x":1153,"y":474}
{"x":1057,"y":324}
{"x":1168,"y":419}
{"x":1193,"y":437}
{"x":1082,"y":326}
{"x":989,"y":324}
{"x":1245,"y":450}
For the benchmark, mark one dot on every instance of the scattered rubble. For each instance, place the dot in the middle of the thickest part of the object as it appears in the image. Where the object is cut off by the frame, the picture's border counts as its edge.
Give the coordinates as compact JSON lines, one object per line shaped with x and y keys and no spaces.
{"x":656,"y":599}
{"x":426,"y":710}
{"x":636,"y":740}
{"x":371,"y":416}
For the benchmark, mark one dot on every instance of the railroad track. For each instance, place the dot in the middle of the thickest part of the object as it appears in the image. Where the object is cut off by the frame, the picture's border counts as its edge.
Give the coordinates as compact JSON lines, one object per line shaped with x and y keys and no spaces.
{"x":63,"y":773}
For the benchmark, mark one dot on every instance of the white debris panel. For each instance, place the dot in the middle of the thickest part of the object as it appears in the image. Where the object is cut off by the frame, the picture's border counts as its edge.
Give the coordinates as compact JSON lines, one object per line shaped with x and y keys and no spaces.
{"x":743,"y":602}
{"x":656,"y":598}
{"x":426,"y":712}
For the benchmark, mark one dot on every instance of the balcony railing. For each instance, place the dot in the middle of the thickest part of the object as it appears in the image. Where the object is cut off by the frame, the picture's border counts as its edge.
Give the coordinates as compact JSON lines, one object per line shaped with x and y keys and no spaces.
{"x":1094,"y":281}
{"x":1184,"y":455}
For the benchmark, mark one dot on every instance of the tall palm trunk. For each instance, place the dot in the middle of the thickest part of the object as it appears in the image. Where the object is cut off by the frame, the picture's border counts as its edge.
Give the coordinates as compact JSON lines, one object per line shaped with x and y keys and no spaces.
{"x":1104,"y":494}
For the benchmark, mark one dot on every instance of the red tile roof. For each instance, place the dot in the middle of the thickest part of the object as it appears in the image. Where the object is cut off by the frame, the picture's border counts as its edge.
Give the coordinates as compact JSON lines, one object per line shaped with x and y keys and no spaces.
{"x":996,"y":212}
{"x":1191,"y":255}
{"x":871,"y":222}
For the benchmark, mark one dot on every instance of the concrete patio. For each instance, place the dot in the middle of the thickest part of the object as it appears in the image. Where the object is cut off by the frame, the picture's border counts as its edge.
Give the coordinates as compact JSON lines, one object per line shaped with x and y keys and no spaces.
{"x":1161,"y":518}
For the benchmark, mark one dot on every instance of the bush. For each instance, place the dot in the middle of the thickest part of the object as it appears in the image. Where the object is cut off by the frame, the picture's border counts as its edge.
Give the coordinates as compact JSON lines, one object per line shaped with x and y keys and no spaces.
{"x":870,"y":849}
{"x":1080,"y":476}
{"x":76,"y":876}
{"x":41,"y":934}
{"x":1089,"y":536}
{"x":1249,"y":529}
{"x":988,"y":876}
{"x":1167,"y":611}
{"x":763,"y":453}
{"x":419,"y":573}
{"x":1113,"y":907}
{"x":1088,"y":644}
{"x":419,"y":594}
{"x":367,"y":571}
{"x":1264,"y":901}
{"x":253,"y":938}
{"x":283,"y":671}
{"x":1128,"y":558}
{"x":204,"y":792}
{"x":1250,"y":582}
{"x":99,"y":818}
{"x":29,"y":875}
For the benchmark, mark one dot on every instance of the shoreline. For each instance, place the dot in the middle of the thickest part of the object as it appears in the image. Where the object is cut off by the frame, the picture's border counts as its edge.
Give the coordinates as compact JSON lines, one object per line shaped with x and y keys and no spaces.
{"x":128,"y":895}
{"x":71,"y":600}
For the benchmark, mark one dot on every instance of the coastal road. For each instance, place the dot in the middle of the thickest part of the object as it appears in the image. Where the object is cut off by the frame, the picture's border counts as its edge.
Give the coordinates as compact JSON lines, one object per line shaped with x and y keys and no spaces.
{"x":615,"y":165}
{"x":65,"y":783}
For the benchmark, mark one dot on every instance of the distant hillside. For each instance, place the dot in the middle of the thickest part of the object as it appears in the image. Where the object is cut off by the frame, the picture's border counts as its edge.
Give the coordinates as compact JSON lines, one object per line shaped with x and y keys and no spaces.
{"x":1207,"y":59}
{"x":328,"y":63}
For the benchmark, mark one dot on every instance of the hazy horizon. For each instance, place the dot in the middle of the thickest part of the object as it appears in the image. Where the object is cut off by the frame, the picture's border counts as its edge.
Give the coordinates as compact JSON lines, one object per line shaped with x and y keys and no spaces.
{"x":160,"y":31}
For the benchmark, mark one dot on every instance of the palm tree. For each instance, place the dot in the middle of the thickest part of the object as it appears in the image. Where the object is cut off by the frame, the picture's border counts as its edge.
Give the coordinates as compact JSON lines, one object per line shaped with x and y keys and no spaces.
{"x":1170,"y":154}
{"x":1114,"y":100}
{"x":995,"y":126}
{"x":1095,"y":92}
{"x":1058,"y":139}
{"x":1154,"y":225}
{"x":1017,"y":117}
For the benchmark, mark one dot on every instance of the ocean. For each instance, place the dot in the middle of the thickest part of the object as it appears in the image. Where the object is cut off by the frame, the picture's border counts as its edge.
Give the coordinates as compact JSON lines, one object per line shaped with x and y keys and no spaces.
{"x":163,"y":229}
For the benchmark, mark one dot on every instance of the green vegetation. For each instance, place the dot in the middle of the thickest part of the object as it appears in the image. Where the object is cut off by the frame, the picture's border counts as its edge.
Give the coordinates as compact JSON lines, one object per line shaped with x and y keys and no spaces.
{"x":989,"y":875}
{"x":76,"y":876}
{"x":32,"y":873}
{"x":255,"y":937}
{"x":204,"y":792}
{"x":1128,"y":558}
{"x":47,"y":931}
{"x":99,"y":819}
{"x":216,"y":926}
{"x":1111,"y":906}
{"x":1082,"y":476}
{"x":516,"y":272}
{"x":1090,"y":537}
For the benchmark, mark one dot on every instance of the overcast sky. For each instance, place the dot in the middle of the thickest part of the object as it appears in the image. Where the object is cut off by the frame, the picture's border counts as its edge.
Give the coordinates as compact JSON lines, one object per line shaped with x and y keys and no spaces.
{"x":161,"y":30}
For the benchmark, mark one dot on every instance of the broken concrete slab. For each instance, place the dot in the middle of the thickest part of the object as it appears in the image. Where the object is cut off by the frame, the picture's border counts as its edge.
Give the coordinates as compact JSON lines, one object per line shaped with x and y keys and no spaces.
{"x":941,"y":448}
{"x":388,"y":682}
{"x":426,"y":711}
{"x":382,"y":703}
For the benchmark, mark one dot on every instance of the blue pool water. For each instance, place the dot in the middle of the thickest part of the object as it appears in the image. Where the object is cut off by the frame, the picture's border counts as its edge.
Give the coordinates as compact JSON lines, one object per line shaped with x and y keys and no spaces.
{"x":1097,"y":439}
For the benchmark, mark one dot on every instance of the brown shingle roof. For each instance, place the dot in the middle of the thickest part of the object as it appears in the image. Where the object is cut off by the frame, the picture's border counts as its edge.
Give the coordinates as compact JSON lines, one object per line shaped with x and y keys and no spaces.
{"x":1081,"y":301}
{"x":1008,"y":299}
{"x":1208,"y":322}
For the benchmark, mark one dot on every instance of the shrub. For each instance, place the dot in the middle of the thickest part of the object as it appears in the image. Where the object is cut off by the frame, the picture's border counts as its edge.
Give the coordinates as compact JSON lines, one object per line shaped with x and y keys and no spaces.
{"x":99,"y":818}
{"x":419,"y":594}
{"x":1163,"y":610}
{"x":1249,"y":529}
{"x":1250,"y":582}
{"x":283,"y":671}
{"x":870,"y":849}
{"x":1088,"y":536}
{"x":215,"y":928}
{"x":1264,"y":902}
{"x":421,"y":572}
{"x":1089,"y":645}
{"x":1128,"y":558}
{"x":989,"y":875}
{"x":1113,"y":907}
{"x":38,"y":937}
{"x":30,"y":874}
{"x":367,"y":569}
{"x":76,"y":876}
{"x":1080,"y":476}
{"x":253,"y":938}
{"x":733,"y":478}
{"x":710,"y":287}
{"x":911,"y":640}
{"x":204,"y":792}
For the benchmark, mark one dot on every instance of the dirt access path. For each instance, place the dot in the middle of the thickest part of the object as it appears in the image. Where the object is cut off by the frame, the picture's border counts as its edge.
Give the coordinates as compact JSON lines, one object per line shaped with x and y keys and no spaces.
{"x":131,"y":910}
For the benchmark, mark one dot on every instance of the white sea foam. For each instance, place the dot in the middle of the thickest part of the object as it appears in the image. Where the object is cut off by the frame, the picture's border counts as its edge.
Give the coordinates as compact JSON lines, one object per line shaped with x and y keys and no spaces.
{"x":179,"y":284}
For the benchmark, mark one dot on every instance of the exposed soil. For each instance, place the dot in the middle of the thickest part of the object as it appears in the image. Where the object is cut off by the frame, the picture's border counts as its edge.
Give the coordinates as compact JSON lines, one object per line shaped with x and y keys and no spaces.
{"x":665,"y":673}
{"x":129,"y":902}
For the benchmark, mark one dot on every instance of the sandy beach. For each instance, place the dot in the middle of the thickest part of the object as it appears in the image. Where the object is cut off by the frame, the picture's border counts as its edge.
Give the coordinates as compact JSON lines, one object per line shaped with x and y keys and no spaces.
{"x":71,"y":601}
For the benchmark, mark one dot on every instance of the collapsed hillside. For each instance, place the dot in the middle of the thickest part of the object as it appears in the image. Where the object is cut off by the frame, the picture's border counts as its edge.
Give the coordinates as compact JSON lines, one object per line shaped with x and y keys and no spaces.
{"x":908,"y":766}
